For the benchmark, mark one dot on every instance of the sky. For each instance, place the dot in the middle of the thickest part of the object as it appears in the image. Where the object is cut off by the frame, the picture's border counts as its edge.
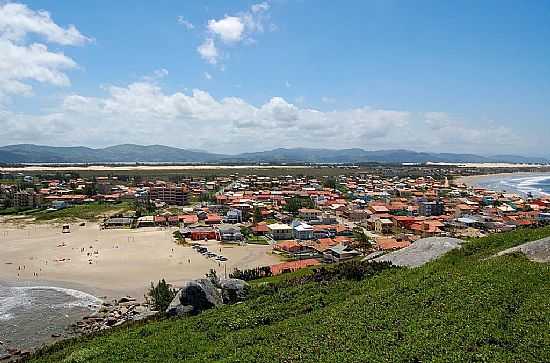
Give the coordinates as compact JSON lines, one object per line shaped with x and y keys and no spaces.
{"x":238,"y":76}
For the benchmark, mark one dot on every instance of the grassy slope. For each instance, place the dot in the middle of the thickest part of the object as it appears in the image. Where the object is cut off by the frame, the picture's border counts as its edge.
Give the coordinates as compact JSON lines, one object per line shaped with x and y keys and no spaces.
{"x":84,"y":211}
{"x":462,"y":307}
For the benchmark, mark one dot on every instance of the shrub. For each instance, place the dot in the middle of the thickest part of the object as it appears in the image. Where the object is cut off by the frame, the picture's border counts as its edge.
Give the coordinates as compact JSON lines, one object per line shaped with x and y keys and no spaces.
{"x":161,"y":295}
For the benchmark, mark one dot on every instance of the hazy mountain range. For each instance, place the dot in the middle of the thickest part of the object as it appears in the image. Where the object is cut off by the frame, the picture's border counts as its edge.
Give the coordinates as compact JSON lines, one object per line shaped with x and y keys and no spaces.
{"x":29,"y":153}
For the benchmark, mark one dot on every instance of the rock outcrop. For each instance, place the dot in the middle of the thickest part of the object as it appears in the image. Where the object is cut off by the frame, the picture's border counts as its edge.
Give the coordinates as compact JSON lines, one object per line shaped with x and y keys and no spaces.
{"x":233,"y":290}
{"x":537,"y":251}
{"x":198,"y":295}
{"x":422,"y":251}
{"x":195,"y":296}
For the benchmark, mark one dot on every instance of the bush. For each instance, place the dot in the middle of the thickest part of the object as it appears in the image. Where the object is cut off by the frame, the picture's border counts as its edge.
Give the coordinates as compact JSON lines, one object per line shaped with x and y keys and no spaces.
{"x":251,"y":274}
{"x":160,"y":296}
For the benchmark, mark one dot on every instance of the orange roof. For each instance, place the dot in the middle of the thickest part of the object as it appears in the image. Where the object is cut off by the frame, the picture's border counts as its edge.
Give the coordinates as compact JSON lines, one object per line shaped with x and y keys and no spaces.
{"x":391,"y":244}
{"x":293,"y":265}
{"x":289,"y":246}
{"x":324,"y":244}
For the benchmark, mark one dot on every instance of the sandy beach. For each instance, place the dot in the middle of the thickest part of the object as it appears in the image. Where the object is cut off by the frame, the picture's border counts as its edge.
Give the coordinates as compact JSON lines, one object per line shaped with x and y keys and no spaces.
{"x":113,"y":262}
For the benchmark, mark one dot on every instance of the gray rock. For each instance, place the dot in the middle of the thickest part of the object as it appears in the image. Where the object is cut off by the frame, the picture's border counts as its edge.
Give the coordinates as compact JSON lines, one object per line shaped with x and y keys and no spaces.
{"x":233,"y":290}
{"x":537,"y":251}
{"x":195,"y":296}
{"x":422,"y":251}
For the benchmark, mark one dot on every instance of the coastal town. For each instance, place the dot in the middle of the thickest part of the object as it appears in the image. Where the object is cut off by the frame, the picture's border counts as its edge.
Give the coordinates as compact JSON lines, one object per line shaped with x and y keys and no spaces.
{"x":296,"y":219}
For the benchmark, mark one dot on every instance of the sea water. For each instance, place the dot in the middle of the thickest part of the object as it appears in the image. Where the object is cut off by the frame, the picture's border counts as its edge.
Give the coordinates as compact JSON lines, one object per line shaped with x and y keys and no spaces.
{"x":536,"y":184}
{"x":30,"y":315}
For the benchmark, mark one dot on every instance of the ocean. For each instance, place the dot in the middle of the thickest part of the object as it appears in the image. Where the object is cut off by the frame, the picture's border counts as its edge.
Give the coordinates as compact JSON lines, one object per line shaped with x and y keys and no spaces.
{"x":29,"y":315}
{"x":535,"y":184}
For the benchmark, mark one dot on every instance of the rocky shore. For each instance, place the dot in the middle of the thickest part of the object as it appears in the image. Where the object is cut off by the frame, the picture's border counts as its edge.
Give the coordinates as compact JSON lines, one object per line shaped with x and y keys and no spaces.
{"x":110,"y":314}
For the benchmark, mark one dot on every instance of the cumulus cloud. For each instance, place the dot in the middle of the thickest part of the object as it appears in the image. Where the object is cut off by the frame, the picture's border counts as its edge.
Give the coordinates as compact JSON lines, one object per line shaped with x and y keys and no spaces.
{"x":141,"y":112}
{"x":208,"y":51}
{"x":17,"y":20}
{"x":229,"y":29}
{"x":234,"y":29}
{"x":21,"y":62}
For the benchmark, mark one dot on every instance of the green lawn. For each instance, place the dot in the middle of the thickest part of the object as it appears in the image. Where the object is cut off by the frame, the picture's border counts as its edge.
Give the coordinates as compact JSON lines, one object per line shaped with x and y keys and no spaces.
{"x":84,"y":211}
{"x":460,"y":308}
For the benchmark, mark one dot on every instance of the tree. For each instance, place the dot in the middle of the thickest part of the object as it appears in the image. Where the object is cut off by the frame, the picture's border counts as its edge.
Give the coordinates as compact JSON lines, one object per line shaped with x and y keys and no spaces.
{"x":330,"y":182}
{"x":160,"y":296}
{"x":257,"y":215}
{"x":362,"y":241}
{"x":296,"y":203}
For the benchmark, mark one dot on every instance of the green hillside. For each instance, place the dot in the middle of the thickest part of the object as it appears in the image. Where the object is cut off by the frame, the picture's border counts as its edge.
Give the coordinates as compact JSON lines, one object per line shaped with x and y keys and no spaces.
{"x":460,"y":308}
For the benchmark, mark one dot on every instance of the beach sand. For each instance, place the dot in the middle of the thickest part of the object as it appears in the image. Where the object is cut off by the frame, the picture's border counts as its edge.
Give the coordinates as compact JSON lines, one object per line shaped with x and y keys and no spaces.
{"x":111,"y":263}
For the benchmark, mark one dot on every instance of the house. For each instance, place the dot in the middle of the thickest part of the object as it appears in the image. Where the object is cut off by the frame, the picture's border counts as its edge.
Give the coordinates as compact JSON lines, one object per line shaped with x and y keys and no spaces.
{"x":429,"y":209}
{"x":390,"y":244}
{"x":118,"y":222}
{"x":188,"y":219}
{"x":339,"y":253}
{"x":280,"y":231}
{"x":229,"y":233}
{"x":234,"y":216}
{"x":293,"y":266}
{"x":260,"y":229}
{"x":213,"y":219}
{"x":146,"y":221}
{"x":383,"y":226}
{"x":291,"y":247}
{"x":303,"y":231}
{"x":379,"y":209}
{"x":308,"y":214}
{"x":203,"y":233}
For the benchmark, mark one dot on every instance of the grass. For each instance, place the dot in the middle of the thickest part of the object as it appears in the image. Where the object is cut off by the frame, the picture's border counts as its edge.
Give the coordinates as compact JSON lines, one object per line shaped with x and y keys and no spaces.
{"x":85,"y":211}
{"x":256,"y":240}
{"x":462,"y":307}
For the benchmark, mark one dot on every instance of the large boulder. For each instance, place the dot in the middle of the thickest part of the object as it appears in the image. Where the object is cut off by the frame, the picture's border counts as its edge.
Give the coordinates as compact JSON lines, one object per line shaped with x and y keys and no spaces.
{"x":195,"y":296}
{"x":233,"y":290}
{"x":537,"y":251}
{"x":421,"y":251}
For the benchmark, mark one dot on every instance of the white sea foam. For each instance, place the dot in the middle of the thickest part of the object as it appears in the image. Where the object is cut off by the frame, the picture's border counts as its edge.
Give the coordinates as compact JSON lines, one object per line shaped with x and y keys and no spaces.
{"x":21,"y":296}
{"x":529,"y":185}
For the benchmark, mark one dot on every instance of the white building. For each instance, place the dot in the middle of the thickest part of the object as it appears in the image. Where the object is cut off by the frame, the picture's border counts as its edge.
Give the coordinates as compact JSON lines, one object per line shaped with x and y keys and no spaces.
{"x":280,"y":231}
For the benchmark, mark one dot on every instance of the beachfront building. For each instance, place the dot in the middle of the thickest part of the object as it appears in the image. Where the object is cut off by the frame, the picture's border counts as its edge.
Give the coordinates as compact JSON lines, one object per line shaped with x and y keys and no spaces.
{"x":280,"y":231}
{"x":171,"y":194}
{"x":303,"y":231}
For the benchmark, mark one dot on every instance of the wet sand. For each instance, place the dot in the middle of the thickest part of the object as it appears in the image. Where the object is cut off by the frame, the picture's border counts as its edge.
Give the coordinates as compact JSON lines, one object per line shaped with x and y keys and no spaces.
{"x":111,"y":263}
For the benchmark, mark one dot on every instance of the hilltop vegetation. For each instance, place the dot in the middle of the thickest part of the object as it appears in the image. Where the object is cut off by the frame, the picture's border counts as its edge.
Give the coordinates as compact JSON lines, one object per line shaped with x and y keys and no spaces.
{"x":462,"y":307}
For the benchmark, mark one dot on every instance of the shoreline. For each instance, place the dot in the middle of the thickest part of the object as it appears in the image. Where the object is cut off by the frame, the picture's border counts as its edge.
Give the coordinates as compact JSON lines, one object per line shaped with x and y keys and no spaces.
{"x":113,"y":262}
{"x":474,"y":180}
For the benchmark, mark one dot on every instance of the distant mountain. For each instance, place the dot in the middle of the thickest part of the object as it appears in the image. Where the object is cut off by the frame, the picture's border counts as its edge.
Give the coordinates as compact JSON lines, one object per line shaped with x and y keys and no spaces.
{"x":28,"y":153}
{"x":128,"y":153}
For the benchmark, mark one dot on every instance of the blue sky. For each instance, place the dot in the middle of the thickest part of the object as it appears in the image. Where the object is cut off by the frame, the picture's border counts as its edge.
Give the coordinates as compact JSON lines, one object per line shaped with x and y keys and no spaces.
{"x":468,"y":76}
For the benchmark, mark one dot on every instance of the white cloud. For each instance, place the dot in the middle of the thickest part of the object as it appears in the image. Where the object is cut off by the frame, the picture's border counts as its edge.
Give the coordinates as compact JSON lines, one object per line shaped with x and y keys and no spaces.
{"x":207,"y":75}
{"x":328,"y":100}
{"x":17,"y":20}
{"x":21,"y":62}
{"x":186,"y":23}
{"x":235,"y":29}
{"x":208,"y":51}
{"x":229,"y":29}
{"x":141,"y":112}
